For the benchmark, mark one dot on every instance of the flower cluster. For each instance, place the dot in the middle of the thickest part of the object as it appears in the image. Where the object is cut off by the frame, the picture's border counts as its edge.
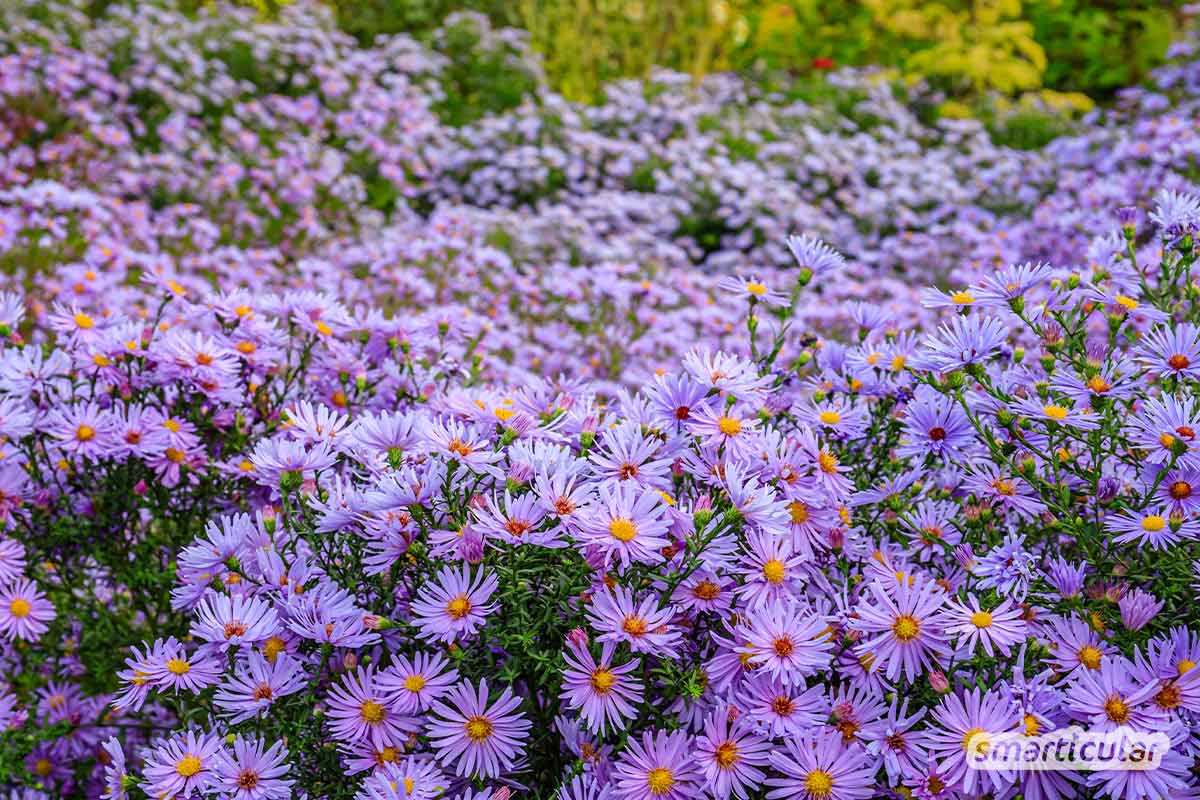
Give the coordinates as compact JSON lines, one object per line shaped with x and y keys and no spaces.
{"x":367,"y":457}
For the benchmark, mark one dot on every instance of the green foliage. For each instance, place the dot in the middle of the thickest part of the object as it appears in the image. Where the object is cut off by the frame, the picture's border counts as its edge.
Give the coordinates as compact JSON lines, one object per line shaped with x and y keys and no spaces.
{"x":1098,"y":47}
{"x":485,"y":72}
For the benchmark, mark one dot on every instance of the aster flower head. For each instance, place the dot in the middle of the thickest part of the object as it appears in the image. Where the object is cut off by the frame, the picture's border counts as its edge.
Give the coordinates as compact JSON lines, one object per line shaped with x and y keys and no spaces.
{"x":418,"y":680}
{"x":620,"y":617}
{"x":731,"y":754}
{"x":256,"y":683}
{"x":227,"y":621}
{"x":814,"y":258}
{"x":786,"y":642}
{"x":456,"y":604}
{"x":361,"y":710}
{"x":627,"y":523}
{"x":997,"y":629}
{"x":659,"y":766}
{"x":249,"y":770}
{"x":816,"y":765}
{"x":961,"y":342}
{"x":475,"y":736}
{"x":24,"y":611}
{"x":604,"y":692}
{"x":184,"y":766}
{"x":903,"y":630}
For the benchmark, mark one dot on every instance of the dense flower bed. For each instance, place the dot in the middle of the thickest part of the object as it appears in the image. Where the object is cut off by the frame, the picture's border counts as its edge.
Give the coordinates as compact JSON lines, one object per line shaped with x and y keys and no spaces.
{"x":612,"y":452}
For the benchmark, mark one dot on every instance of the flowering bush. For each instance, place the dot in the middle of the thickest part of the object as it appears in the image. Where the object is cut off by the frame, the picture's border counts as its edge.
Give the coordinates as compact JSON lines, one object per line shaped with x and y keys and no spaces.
{"x":346,"y":454}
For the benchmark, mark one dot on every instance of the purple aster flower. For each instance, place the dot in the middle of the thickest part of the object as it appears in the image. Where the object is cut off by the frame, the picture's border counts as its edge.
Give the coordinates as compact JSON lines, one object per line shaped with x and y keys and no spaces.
{"x":730,"y":753}
{"x":24,"y":611}
{"x":1008,"y":568}
{"x":171,"y":667}
{"x":628,"y":523}
{"x":814,"y":258}
{"x":1171,"y":351}
{"x":644,"y":626}
{"x":771,"y":570}
{"x":660,"y":766}
{"x":965,"y":720}
{"x":233,"y":621}
{"x":995,"y":630}
{"x":1073,"y":644}
{"x":816,"y":765}
{"x":1155,"y":528}
{"x":1109,"y":698}
{"x":934,"y":425}
{"x":752,"y":289}
{"x":964,"y":340}
{"x":895,"y":740}
{"x":1057,"y":413}
{"x":417,"y":681}
{"x":1180,"y":490}
{"x":360,"y":710}
{"x":785,"y":642}
{"x":605,"y":693}
{"x":455,"y":604}
{"x":903,"y":632}
{"x":1165,"y":428}
{"x":781,"y":710}
{"x":256,"y":684}
{"x":477,"y":738}
{"x":410,"y":778}
{"x":1001,"y":491}
{"x":1066,"y":577}
{"x":250,"y":772}
{"x":183,"y":766}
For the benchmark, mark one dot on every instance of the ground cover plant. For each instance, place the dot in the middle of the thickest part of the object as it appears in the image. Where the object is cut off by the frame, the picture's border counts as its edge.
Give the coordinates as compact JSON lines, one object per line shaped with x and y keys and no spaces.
{"x":701,"y":442}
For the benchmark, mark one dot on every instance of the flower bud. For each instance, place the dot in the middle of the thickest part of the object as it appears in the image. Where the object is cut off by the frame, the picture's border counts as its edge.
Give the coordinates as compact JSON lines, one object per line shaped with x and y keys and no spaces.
{"x":939,"y":681}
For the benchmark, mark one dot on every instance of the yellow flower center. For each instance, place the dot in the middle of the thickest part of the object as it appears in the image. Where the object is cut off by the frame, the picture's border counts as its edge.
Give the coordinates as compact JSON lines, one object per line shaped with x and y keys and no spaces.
{"x":756,"y":288}
{"x":273,"y":648}
{"x":602,"y":680}
{"x":478,"y":728}
{"x":622,"y":529}
{"x":1153,"y":523}
{"x":19,"y":608}
{"x":1055,"y":412}
{"x":177,"y":666}
{"x":659,"y":780}
{"x":981,"y":619}
{"x":906,"y":627}
{"x":729,"y":426}
{"x":1185,"y":665}
{"x":1099,"y":385}
{"x":414,"y":683}
{"x":798,"y":512}
{"x":773,"y":571}
{"x":459,"y":607}
{"x":85,"y":433}
{"x":1032,"y":726}
{"x":981,"y":744}
{"x":1127,"y":302}
{"x":827,"y":461}
{"x":830,"y":417}
{"x":963,"y":298}
{"x":372,"y":712}
{"x":83,"y":321}
{"x":189,"y":765}
{"x":1089,"y":656}
{"x":726,"y":754}
{"x":1116,"y":709}
{"x":818,"y":783}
